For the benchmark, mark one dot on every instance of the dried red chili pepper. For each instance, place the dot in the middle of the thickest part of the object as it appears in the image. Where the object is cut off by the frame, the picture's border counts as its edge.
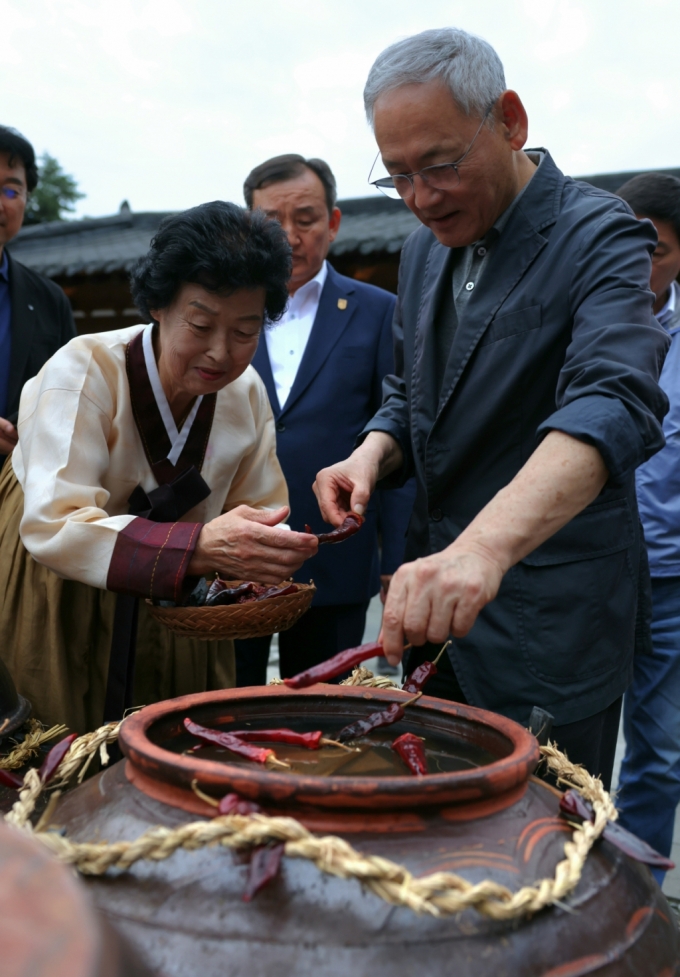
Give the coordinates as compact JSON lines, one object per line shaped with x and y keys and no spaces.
{"x":385,"y":717}
{"x":342,"y":662}
{"x":310,"y":741}
{"x":9,"y":779}
{"x":279,"y":591}
{"x":351,"y":525}
{"x":423,"y":673}
{"x":411,"y":750}
{"x":220,"y":594}
{"x":54,"y":758}
{"x":573,"y":804}
{"x":235,"y":804}
{"x":264,"y":866}
{"x":233,"y":743}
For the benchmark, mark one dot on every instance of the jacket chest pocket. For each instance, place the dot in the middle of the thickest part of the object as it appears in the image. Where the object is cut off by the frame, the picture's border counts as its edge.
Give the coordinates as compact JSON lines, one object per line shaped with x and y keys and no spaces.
{"x":512,"y":324}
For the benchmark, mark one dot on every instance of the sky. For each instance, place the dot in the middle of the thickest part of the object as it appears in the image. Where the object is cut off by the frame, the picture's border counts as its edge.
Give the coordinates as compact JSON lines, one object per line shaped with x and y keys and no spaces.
{"x":169,"y":103}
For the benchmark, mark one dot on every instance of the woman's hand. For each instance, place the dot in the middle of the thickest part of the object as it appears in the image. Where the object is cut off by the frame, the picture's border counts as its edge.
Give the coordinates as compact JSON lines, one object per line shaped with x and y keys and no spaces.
{"x":247,"y":544}
{"x":348,"y":485}
{"x":9,"y":436}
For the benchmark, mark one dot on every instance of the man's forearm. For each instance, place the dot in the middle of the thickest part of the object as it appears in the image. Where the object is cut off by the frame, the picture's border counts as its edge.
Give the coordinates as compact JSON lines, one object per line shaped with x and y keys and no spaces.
{"x":558,"y":481}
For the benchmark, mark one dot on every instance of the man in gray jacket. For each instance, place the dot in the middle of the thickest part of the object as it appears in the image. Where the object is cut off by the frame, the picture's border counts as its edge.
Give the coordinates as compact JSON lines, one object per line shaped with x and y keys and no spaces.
{"x":525,"y":396}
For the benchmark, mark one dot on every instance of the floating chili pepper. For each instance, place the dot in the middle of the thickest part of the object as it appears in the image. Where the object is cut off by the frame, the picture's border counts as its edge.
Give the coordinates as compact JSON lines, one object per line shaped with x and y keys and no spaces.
{"x":351,"y":525}
{"x":573,"y":804}
{"x":411,"y":750}
{"x":385,"y":717}
{"x":423,"y":673}
{"x":54,"y":758}
{"x":342,"y":662}
{"x":310,"y":741}
{"x":264,"y":866}
{"x":233,"y":743}
{"x":9,"y":779}
{"x":235,"y":804}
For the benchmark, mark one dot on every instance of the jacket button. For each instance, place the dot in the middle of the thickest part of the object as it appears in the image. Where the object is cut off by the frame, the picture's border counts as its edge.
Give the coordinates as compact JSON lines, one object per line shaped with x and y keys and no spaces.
{"x":280,"y":426}
{"x":436,"y":515}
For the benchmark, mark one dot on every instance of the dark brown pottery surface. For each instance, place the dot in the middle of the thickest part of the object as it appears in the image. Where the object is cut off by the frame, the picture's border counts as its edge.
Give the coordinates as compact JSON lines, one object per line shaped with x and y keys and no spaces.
{"x":186,"y":914}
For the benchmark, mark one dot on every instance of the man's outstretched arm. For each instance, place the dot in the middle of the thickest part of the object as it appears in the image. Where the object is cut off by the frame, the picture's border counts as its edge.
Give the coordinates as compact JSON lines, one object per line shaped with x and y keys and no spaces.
{"x":442,"y":594}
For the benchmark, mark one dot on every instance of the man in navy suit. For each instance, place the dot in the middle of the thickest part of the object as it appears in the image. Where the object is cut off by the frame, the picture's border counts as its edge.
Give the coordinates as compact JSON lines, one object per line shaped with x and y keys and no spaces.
{"x":323,"y":365}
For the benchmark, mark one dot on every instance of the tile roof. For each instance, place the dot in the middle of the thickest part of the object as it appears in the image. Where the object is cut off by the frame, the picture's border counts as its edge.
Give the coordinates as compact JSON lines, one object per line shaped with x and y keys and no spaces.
{"x":108,"y":244}
{"x":370,"y":225}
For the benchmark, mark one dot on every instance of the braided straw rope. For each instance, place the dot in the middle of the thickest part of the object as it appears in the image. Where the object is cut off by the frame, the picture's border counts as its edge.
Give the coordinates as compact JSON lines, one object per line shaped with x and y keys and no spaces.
{"x":33,"y":740}
{"x":438,"y":894}
{"x":360,"y":676}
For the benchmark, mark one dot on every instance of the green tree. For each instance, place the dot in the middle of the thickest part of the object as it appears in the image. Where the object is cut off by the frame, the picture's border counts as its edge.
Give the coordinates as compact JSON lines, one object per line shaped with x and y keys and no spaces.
{"x":55,"y":194}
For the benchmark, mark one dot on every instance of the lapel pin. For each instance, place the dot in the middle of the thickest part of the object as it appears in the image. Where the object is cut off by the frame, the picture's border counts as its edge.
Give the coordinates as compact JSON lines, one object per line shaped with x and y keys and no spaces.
{"x":31,"y":307}
{"x":342,"y":303}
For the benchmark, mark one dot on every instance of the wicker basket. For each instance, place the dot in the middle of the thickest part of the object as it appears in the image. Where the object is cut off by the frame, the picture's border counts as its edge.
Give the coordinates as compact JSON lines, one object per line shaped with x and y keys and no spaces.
{"x":253,"y":620}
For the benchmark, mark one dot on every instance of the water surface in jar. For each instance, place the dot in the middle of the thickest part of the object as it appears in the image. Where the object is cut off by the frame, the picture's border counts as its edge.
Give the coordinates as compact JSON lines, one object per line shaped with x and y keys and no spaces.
{"x":370,"y":756}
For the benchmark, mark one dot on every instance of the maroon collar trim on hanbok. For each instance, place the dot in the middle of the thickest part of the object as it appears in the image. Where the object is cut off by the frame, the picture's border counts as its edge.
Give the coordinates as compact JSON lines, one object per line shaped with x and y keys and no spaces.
{"x":150,"y":423}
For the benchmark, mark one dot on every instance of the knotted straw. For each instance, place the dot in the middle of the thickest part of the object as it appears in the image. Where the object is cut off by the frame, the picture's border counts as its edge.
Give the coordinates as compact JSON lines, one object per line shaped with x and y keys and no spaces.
{"x":437,"y":894}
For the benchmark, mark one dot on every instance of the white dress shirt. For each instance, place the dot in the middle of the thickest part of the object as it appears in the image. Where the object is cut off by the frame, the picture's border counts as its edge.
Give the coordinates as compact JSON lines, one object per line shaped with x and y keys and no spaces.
{"x":287,"y":338}
{"x":665,"y":314}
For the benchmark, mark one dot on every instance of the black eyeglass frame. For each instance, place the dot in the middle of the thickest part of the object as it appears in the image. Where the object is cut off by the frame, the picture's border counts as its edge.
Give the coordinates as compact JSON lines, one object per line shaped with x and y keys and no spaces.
{"x":387,"y":182}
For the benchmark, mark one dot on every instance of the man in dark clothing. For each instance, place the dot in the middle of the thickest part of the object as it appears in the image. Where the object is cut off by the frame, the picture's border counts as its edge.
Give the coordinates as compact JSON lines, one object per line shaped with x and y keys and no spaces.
{"x":525,"y":397}
{"x":35,"y":315}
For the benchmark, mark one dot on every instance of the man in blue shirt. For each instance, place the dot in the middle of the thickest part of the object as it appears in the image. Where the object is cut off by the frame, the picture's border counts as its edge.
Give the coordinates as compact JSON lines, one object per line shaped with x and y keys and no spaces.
{"x":650,"y":775}
{"x":35,"y":315}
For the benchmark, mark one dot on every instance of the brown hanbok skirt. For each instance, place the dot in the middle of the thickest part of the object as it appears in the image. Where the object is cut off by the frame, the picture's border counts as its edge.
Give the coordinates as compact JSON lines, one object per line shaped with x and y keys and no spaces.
{"x":55,"y":637}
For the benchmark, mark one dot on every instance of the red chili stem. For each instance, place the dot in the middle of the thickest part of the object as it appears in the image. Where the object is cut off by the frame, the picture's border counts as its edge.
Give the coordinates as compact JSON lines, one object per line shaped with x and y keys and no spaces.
{"x":411,"y":750}
{"x":54,"y":758}
{"x":351,"y":525}
{"x":342,"y":662}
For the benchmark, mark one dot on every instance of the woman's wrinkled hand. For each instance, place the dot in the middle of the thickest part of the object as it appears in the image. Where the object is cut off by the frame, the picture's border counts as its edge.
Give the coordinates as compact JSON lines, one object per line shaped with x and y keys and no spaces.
{"x":249,"y":544}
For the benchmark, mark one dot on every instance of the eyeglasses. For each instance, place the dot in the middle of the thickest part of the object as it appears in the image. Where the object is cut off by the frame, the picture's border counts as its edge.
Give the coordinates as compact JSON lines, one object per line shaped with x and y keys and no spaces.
{"x":442,"y":176}
{"x":12,"y":193}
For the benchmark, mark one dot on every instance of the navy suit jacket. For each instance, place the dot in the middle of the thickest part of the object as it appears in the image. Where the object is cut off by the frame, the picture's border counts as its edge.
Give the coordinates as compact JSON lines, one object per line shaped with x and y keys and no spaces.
{"x":557,"y":335}
{"x":337,"y":389}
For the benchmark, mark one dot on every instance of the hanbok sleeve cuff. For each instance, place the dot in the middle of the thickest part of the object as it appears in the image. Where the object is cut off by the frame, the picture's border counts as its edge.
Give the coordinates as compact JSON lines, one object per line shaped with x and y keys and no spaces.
{"x":150,"y":559}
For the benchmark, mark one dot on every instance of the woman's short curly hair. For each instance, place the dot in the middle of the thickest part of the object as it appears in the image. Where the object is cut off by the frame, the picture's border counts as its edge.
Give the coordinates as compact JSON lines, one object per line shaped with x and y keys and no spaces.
{"x":217,"y":245}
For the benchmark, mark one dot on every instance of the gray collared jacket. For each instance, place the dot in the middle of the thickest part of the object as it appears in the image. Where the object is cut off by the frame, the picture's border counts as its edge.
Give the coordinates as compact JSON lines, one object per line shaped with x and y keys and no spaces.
{"x":557,"y":335}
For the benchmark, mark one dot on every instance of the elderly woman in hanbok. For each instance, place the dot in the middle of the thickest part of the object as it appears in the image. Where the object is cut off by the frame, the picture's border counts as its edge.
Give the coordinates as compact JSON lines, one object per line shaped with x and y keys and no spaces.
{"x":147,"y":459}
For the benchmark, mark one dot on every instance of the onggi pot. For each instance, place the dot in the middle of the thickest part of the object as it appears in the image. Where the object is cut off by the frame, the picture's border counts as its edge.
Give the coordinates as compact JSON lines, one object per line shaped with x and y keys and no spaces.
{"x":186,"y":915}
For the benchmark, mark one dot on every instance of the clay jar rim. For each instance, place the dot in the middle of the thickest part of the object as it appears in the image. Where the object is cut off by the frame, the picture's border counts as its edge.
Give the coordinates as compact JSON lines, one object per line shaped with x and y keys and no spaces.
{"x":256,"y":783}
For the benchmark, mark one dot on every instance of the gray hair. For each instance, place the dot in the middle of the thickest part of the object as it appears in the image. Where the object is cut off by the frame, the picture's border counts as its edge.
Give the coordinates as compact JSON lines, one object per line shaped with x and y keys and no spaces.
{"x":468,"y":65}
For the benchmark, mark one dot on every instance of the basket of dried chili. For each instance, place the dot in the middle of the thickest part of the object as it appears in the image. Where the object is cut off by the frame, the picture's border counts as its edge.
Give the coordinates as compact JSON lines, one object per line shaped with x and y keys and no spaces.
{"x":235,"y":609}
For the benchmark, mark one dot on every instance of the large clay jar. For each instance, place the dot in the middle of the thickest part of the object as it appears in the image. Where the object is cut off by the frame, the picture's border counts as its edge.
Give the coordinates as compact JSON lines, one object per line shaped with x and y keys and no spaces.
{"x":186,"y":914}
